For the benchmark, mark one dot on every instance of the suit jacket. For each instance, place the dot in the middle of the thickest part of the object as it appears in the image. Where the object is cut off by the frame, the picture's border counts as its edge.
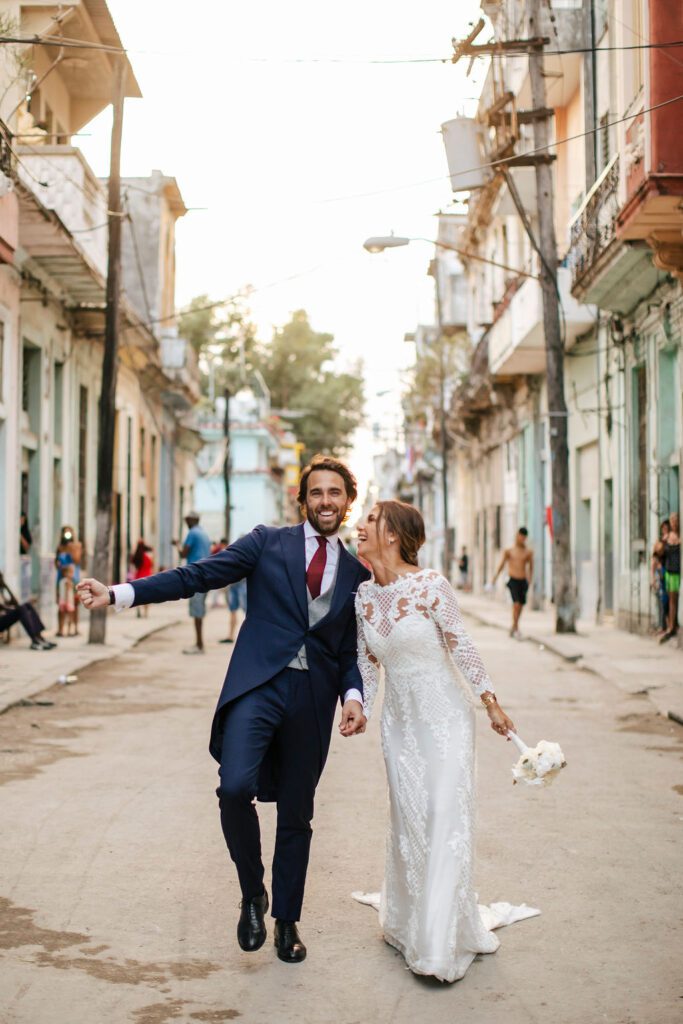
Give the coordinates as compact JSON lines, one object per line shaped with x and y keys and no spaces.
{"x":273,"y":560}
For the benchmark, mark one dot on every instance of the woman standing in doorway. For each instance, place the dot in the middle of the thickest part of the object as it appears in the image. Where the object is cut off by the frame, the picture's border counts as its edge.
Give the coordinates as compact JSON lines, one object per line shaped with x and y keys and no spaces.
{"x":69,"y":552}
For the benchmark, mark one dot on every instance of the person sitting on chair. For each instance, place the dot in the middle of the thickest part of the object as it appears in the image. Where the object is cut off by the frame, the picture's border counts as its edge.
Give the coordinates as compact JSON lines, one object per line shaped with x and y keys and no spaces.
{"x":11,"y":612}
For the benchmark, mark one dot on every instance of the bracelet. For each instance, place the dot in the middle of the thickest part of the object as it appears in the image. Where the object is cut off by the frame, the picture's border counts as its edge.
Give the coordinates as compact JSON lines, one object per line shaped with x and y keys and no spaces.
{"x":112,"y":596}
{"x":488,"y":699}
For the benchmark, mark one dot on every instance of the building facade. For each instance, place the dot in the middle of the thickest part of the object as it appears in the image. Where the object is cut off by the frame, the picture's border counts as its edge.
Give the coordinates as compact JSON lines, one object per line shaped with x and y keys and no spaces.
{"x":53,"y":224}
{"x":618,"y":212}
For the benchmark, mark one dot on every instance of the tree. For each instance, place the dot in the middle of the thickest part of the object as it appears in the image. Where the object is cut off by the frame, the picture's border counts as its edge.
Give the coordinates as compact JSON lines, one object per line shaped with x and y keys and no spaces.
{"x":199,"y":323}
{"x":223,"y":338}
{"x":324,"y":406}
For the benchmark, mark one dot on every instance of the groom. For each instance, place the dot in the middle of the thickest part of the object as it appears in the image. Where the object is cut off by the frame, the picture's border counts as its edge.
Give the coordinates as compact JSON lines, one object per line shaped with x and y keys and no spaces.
{"x":294,"y":658}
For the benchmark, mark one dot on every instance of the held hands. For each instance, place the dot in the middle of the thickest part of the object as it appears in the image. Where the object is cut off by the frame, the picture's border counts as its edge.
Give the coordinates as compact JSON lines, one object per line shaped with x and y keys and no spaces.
{"x":93,"y":594}
{"x":353,"y":721}
{"x":500,"y":722}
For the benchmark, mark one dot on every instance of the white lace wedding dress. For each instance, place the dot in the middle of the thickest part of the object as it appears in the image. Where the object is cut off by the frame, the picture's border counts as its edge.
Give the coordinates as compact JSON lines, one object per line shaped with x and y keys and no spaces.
{"x":428,"y":909}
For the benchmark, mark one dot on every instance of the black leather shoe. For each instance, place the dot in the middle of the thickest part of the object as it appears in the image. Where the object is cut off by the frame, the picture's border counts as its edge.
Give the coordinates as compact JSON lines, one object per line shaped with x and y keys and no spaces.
{"x":251,"y":927}
{"x":290,"y":948}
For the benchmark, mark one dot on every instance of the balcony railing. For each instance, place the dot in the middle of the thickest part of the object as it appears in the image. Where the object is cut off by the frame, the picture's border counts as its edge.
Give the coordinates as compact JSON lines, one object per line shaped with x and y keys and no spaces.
{"x":592,"y":230}
{"x":6,"y":157}
{"x":72,"y":191}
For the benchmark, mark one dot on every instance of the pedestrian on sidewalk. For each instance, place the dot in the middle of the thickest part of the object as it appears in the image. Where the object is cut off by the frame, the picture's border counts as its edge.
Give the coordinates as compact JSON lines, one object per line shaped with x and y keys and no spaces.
{"x":11,"y":612}
{"x":143,"y":566}
{"x":520,"y":566}
{"x":69,"y":552}
{"x":67,"y":601}
{"x":237,"y":602}
{"x":295,"y":657}
{"x":464,"y":569}
{"x":672,"y":574}
{"x":657,"y":576}
{"x":194,"y":548}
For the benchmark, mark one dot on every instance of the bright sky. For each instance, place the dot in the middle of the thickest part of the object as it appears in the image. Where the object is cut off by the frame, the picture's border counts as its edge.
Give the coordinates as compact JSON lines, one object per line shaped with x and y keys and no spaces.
{"x":270,"y":147}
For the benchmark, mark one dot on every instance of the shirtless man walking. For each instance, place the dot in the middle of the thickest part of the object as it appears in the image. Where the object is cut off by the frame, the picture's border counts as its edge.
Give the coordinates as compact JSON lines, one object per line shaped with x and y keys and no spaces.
{"x":520,"y":562}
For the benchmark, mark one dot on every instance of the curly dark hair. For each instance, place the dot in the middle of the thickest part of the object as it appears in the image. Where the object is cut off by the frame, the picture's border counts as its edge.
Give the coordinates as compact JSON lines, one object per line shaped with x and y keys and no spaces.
{"x":407,"y":523}
{"x":332,"y":465}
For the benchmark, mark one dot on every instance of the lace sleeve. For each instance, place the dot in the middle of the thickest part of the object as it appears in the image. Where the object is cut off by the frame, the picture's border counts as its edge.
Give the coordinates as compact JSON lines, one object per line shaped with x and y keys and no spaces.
{"x":368,"y":665}
{"x":446,"y":613}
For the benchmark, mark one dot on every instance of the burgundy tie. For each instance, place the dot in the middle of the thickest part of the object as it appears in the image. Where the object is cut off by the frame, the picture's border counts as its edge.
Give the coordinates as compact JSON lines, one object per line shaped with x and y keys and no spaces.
{"x":316,"y":570}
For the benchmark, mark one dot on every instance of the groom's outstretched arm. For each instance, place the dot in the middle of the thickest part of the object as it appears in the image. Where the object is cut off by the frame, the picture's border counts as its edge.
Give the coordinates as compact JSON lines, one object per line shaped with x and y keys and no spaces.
{"x":219,"y":570}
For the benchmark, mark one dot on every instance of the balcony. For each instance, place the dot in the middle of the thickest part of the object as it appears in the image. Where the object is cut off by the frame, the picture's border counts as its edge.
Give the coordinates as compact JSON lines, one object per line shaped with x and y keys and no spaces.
{"x":73,"y":192}
{"x":517,"y":341}
{"x":592,"y":230}
{"x":180,"y":367}
{"x":606,"y":269}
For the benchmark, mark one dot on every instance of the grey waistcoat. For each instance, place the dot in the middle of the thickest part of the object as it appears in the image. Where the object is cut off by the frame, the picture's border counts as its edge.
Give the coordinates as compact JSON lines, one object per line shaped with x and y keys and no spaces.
{"x":317,"y":610}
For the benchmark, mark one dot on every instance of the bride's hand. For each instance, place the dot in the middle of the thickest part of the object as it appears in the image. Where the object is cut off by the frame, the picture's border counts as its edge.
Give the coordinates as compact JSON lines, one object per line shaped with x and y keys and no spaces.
{"x":500,"y":722}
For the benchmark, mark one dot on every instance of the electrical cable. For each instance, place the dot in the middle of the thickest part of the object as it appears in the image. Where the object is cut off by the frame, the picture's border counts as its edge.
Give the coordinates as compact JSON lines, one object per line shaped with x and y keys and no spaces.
{"x":81,"y":44}
{"x":504,"y":161}
{"x":138,"y":262}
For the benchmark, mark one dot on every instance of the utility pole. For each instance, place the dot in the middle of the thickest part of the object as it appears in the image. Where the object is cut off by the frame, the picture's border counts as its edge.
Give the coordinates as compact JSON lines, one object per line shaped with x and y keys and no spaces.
{"x":546,"y":247}
{"x":107,"y":404}
{"x":563,"y":586}
{"x":227,"y":463}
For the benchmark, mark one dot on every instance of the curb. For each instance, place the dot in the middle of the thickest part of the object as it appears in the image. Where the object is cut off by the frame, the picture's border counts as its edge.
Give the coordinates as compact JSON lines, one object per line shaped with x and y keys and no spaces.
{"x":573,"y":659}
{"x":92,"y":655}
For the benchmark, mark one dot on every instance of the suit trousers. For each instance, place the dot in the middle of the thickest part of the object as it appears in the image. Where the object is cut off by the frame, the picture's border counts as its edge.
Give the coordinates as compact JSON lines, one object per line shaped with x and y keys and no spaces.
{"x":278,"y":717}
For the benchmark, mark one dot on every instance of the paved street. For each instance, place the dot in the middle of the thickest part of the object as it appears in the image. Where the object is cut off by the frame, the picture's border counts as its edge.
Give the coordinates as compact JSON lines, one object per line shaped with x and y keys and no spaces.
{"x":118,"y":904}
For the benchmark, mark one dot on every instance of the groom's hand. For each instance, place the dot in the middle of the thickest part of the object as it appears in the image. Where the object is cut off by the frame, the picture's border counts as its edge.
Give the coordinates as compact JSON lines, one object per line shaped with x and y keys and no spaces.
{"x":353,"y":721}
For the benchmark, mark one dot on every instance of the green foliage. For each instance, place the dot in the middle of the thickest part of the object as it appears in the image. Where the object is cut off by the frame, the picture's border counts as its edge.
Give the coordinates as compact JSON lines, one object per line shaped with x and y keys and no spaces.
{"x":326,"y":406}
{"x":424,"y":390}
{"x":199,"y":323}
{"x":223,"y":338}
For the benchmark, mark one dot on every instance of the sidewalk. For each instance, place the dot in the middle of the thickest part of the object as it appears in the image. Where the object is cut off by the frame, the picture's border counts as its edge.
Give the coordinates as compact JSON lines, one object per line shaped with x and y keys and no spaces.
{"x":634,"y":663}
{"x":25,"y":673}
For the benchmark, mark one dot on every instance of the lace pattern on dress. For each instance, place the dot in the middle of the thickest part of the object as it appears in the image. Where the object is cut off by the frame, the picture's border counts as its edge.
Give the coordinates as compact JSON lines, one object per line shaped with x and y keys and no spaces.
{"x":415,"y":630}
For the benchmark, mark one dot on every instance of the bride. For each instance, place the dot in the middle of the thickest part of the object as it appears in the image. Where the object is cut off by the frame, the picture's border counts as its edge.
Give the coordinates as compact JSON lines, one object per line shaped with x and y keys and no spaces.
{"x":409,"y":621}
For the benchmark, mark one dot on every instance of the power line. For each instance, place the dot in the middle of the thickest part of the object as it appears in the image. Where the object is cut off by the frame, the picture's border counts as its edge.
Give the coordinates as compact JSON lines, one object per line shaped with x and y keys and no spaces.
{"x":80,"y":44}
{"x":504,"y":161}
{"x":59,"y":41}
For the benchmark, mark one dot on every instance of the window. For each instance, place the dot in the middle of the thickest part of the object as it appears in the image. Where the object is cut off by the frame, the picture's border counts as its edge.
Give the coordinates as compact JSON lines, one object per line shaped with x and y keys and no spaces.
{"x":142,"y":452}
{"x":30,"y":385}
{"x":25,"y":379}
{"x":129,"y":483}
{"x":58,"y":406}
{"x":639,"y":503}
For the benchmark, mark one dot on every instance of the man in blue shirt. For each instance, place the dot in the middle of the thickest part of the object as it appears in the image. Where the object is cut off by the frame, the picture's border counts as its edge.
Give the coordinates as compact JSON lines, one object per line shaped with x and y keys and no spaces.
{"x":195,"y":547}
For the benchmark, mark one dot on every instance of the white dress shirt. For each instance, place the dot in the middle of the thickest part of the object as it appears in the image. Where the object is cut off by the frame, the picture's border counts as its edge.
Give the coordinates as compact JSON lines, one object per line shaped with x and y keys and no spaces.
{"x":312,"y":546}
{"x":124,"y":594}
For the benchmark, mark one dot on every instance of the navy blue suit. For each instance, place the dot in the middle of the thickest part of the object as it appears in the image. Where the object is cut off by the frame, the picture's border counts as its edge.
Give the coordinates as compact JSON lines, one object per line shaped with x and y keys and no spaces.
{"x":272,"y":726}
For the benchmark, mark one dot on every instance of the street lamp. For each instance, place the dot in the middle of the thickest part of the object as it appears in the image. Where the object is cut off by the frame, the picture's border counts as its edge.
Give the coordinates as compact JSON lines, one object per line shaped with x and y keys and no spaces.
{"x":378,"y":243}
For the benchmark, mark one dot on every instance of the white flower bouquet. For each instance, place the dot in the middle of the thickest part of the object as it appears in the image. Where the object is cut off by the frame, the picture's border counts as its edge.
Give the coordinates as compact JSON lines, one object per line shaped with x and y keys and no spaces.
{"x":537,"y":766}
